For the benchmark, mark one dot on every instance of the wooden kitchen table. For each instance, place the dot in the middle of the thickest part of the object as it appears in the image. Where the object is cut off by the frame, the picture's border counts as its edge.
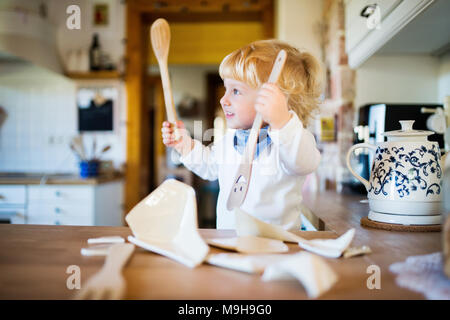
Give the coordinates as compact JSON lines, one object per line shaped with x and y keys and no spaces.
{"x":34,"y":260}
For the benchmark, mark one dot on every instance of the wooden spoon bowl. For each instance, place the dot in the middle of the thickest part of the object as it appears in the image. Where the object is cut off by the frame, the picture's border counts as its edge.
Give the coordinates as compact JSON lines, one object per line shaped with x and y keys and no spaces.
{"x":160,"y":39}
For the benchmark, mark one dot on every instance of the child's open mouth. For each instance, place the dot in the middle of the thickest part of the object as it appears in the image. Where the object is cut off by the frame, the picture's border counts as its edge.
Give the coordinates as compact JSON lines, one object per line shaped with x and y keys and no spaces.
{"x":229,"y":114}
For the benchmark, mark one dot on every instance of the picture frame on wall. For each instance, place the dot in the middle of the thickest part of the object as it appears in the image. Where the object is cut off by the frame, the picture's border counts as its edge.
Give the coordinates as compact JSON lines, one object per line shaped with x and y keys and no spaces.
{"x":101,"y":15}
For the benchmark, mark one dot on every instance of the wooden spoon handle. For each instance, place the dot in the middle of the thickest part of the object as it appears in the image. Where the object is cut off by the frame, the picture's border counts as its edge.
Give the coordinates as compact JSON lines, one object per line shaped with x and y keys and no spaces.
{"x":167,"y":88}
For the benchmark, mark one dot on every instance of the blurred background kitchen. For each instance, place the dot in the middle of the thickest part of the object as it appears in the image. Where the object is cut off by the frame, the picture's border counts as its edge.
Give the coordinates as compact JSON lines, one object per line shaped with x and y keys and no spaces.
{"x":81,"y":103}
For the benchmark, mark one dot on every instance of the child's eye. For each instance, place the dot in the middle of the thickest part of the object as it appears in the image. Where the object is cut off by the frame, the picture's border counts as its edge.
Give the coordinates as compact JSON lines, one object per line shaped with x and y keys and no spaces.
{"x":236,"y":91}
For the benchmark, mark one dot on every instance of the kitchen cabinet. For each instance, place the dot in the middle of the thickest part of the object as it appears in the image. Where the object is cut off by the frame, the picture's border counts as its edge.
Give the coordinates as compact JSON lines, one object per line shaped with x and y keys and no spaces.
{"x":363,"y":40}
{"x":84,"y":204}
{"x":12,"y":204}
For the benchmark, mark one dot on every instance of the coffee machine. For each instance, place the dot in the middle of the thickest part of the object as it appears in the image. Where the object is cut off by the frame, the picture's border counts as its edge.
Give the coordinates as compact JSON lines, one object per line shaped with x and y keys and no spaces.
{"x":375,"y":118}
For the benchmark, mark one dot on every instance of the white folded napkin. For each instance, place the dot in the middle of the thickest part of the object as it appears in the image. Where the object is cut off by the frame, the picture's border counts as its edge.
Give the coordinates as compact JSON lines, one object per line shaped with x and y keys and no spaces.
{"x":311,"y":270}
{"x":248,"y":225}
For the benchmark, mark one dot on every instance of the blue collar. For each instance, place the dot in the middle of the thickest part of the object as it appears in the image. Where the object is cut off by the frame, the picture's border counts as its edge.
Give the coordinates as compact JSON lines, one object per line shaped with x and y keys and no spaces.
{"x":241,"y":137}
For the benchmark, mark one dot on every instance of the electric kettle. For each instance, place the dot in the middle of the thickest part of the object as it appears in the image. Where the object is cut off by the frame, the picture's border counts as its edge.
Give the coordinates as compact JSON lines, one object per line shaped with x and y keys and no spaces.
{"x":405,"y":183}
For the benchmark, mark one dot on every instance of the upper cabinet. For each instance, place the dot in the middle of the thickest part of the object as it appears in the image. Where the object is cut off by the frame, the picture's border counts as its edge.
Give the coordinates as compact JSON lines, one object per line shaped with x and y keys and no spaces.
{"x":370,"y":24}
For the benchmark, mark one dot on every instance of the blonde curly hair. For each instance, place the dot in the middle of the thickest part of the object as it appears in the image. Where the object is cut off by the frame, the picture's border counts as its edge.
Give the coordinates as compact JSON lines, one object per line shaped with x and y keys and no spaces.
{"x":301,"y":79}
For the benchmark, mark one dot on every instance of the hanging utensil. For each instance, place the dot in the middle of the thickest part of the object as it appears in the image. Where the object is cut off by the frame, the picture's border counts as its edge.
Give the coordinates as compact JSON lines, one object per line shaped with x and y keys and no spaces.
{"x":78,"y":145}
{"x":106,"y":148}
{"x":242,"y":179}
{"x":74,"y":149}
{"x":160,"y":39}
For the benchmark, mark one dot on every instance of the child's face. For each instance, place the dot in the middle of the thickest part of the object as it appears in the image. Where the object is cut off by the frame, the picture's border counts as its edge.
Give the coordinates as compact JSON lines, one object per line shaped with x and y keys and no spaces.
{"x":238,"y":104}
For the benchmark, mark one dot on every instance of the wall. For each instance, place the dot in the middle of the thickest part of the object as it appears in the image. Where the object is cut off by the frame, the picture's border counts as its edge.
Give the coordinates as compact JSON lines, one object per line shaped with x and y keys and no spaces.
{"x":398,"y":78}
{"x":41,"y":106}
{"x":40,"y":120}
{"x":110,"y":37}
{"x":298,"y":22}
{"x":444,"y":77}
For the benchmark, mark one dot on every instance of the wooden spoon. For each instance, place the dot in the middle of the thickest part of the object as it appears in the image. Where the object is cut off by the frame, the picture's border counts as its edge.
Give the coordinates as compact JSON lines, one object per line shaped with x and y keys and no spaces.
{"x":241,"y":182}
{"x":160,"y":38}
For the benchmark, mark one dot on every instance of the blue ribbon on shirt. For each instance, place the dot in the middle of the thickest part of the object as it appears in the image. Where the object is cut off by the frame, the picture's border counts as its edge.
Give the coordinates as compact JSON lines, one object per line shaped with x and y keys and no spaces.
{"x":241,"y":137}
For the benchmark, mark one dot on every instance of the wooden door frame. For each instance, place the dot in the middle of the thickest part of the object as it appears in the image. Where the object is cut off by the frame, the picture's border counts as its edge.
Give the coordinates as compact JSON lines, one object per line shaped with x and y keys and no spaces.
{"x":139,"y":14}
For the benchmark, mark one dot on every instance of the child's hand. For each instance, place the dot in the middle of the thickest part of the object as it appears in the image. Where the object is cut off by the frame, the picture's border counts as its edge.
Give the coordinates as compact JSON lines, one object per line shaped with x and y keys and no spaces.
{"x":183,"y":144}
{"x":271,"y":103}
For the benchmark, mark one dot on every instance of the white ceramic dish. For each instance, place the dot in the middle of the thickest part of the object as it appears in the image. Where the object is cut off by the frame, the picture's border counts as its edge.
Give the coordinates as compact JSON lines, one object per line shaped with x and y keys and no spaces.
{"x":309,"y":269}
{"x":165,"y":222}
{"x":249,"y":244}
{"x":247,"y":225}
{"x":250,"y":263}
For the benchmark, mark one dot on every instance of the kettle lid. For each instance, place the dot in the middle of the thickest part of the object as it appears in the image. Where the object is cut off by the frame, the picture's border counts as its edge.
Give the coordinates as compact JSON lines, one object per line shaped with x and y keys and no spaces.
{"x":407,"y":131}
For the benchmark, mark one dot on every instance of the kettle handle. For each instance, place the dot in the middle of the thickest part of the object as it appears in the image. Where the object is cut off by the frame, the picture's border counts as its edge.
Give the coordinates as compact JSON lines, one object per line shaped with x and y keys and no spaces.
{"x":444,"y":160}
{"x":349,"y":153}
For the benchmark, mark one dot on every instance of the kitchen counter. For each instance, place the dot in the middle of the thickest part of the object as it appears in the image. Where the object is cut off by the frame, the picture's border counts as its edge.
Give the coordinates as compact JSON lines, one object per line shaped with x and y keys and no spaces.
{"x":59,"y":179}
{"x":34,"y":259}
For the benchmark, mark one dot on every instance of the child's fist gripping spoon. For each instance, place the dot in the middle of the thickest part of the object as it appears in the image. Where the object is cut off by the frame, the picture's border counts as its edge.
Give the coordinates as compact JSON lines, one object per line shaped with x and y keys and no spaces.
{"x":160,"y":38}
{"x":242,"y":179}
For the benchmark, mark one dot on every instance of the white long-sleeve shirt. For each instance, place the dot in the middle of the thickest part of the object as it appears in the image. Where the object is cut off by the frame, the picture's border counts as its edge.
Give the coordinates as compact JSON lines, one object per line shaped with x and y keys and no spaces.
{"x":278,"y":173}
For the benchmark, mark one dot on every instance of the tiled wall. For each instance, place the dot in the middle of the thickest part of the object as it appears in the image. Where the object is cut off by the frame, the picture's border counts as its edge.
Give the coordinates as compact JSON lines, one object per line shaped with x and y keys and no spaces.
{"x":41,"y":121}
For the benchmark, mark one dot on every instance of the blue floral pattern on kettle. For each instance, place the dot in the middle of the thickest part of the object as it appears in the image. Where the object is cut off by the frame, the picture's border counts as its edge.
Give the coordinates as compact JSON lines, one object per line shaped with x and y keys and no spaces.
{"x":390,"y":160}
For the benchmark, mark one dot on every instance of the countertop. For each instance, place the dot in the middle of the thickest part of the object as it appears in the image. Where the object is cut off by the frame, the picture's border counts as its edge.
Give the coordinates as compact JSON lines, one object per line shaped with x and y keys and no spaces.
{"x":59,"y":179}
{"x":34,"y":260}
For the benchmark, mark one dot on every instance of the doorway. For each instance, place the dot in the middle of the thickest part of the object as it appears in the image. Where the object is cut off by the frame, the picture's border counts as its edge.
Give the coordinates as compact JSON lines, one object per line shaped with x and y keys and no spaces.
{"x":146,"y":108}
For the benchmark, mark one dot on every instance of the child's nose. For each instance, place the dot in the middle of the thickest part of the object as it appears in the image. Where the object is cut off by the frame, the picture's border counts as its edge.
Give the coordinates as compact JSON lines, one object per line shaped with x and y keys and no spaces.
{"x":224,"y":100}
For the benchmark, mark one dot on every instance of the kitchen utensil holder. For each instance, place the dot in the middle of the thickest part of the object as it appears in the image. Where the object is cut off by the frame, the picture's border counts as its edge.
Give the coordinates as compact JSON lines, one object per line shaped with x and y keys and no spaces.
{"x":89,"y":169}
